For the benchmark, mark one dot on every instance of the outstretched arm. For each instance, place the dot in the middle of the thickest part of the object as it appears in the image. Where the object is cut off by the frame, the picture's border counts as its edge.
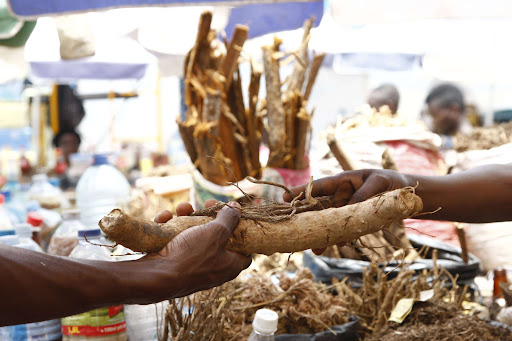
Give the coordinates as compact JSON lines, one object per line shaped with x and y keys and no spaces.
{"x":482,"y":194}
{"x":54,"y":287}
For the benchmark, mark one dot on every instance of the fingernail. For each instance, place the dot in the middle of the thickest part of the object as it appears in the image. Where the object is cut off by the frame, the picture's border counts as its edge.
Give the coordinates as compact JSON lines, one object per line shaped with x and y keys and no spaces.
{"x":235,"y":204}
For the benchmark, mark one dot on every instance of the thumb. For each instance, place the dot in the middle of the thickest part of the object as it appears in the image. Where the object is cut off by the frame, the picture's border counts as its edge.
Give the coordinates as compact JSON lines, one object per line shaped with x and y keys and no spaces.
{"x":226,"y":221}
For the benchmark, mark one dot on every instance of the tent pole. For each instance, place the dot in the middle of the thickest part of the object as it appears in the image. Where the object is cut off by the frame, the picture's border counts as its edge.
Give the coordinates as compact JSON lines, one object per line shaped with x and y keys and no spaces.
{"x":159,"y":125}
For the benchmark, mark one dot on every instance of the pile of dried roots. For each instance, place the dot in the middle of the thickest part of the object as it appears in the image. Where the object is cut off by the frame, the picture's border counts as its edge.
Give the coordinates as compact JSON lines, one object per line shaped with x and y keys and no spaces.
{"x":378,"y":296}
{"x":483,"y":138}
{"x":440,"y":320}
{"x":226,"y":312}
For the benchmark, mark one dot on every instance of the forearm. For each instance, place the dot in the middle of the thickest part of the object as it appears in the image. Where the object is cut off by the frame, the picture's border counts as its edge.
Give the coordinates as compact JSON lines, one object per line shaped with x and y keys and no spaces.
{"x":482,"y":194}
{"x":39,"y":287}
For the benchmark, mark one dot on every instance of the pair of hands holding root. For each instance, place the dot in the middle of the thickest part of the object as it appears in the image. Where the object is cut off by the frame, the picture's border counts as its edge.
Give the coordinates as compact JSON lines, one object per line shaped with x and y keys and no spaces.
{"x":200,"y":251}
{"x":479,"y":195}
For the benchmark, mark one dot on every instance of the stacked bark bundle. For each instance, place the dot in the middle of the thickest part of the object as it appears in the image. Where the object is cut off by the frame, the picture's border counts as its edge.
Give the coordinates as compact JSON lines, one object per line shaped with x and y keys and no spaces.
{"x":217,"y":124}
{"x":222,"y":134}
{"x":288,"y":119}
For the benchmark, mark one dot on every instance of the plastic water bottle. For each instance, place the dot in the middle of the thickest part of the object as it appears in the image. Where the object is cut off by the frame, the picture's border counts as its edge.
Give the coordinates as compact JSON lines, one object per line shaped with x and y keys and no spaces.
{"x":5,"y":222}
{"x":65,"y":239}
{"x":40,"y":331}
{"x":103,"y":324}
{"x":47,"y":195}
{"x":142,"y":321}
{"x":100,"y":189}
{"x":24,"y":233}
{"x":264,"y":325}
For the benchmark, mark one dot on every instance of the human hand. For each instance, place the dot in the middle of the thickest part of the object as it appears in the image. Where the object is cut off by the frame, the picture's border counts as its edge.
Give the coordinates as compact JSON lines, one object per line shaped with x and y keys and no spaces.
{"x":198,"y":254}
{"x":352,"y":187}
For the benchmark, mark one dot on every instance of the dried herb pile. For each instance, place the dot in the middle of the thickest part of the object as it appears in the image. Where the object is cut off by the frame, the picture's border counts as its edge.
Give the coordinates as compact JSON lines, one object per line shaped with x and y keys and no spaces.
{"x":226,"y":312}
{"x":484,"y":138}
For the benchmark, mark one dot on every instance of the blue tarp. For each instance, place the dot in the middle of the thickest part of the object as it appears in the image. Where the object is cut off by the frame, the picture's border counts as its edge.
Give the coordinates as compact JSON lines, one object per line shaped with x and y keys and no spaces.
{"x":265,"y":18}
{"x":37,"y":8}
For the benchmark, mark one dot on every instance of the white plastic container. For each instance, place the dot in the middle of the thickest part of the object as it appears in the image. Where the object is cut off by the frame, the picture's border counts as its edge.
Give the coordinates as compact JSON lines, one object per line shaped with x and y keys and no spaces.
{"x":100,"y":189}
{"x":104,"y":324}
{"x":40,"y":331}
{"x":142,"y":321}
{"x":65,"y":238}
{"x":5,"y":221}
{"x":47,"y":195}
{"x":24,"y":233}
{"x":264,"y":325}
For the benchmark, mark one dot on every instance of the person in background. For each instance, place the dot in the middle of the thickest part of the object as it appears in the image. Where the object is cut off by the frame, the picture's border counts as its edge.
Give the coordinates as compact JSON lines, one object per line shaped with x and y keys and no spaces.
{"x":385,"y":94}
{"x":68,"y":141}
{"x":447,"y":110}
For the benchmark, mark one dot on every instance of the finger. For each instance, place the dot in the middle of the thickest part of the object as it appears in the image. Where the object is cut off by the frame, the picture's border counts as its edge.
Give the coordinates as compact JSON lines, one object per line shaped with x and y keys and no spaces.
{"x":243,"y":261}
{"x":226,"y":222}
{"x":372,"y":186}
{"x":236,"y":205}
{"x":318,"y":252}
{"x":323,"y":187}
{"x":163,"y":217}
{"x":184,"y":208}
{"x":210,"y":202}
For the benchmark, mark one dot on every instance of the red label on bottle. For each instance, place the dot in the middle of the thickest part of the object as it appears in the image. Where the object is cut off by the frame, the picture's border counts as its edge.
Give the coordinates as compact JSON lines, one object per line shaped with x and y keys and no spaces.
{"x":94,"y":331}
{"x":114,"y":310}
{"x":98,"y":322}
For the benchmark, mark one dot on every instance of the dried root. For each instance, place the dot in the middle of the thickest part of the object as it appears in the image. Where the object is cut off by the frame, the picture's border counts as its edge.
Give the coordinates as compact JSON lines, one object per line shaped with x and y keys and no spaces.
{"x":301,"y":231}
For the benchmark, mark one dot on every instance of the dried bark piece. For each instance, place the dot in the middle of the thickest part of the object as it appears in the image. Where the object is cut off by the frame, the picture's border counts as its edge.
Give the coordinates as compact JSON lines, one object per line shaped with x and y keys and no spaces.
{"x":275,"y":109}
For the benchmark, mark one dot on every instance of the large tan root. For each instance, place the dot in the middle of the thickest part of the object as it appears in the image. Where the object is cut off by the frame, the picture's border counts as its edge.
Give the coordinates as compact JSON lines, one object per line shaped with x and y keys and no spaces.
{"x":307,"y":230}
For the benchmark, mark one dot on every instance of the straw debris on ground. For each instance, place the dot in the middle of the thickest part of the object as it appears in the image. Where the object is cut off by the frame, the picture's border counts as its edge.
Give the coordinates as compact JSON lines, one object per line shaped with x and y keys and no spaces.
{"x":439,"y":320}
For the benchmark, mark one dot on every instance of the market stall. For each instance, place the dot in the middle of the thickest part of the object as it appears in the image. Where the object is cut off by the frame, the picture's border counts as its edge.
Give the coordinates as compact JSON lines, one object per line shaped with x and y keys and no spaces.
{"x":249,"y":129}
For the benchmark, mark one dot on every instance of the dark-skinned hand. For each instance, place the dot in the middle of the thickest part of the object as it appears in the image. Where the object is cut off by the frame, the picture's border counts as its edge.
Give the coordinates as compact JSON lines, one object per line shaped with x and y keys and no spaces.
{"x":200,"y":252}
{"x":351,"y":187}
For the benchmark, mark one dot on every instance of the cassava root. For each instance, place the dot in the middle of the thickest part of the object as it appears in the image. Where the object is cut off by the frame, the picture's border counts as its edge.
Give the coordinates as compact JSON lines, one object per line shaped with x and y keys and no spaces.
{"x":306,"y":230}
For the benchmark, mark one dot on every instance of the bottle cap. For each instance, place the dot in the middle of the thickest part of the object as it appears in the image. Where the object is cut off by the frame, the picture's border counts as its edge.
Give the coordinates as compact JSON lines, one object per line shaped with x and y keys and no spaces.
{"x":54,"y":181}
{"x":2,"y":198}
{"x":7,"y":195}
{"x":265,"y":321}
{"x":89,"y":233}
{"x":34,"y":219}
{"x":7,"y":233}
{"x":100,"y":159}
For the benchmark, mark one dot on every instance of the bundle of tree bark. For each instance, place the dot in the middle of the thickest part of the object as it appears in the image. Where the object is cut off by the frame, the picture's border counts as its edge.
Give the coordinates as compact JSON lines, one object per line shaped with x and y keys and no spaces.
{"x":221,"y":135}
{"x":285,"y":106}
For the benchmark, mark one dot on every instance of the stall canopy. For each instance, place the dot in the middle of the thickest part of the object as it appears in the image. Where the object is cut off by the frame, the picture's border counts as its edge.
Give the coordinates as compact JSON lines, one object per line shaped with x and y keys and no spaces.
{"x":116,"y":57}
{"x":32,"y":9}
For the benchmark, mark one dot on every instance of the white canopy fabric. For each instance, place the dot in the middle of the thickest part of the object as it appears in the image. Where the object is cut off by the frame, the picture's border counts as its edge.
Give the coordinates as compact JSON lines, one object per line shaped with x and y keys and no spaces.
{"x":117,"y":57}
{"x":360,"y":12}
